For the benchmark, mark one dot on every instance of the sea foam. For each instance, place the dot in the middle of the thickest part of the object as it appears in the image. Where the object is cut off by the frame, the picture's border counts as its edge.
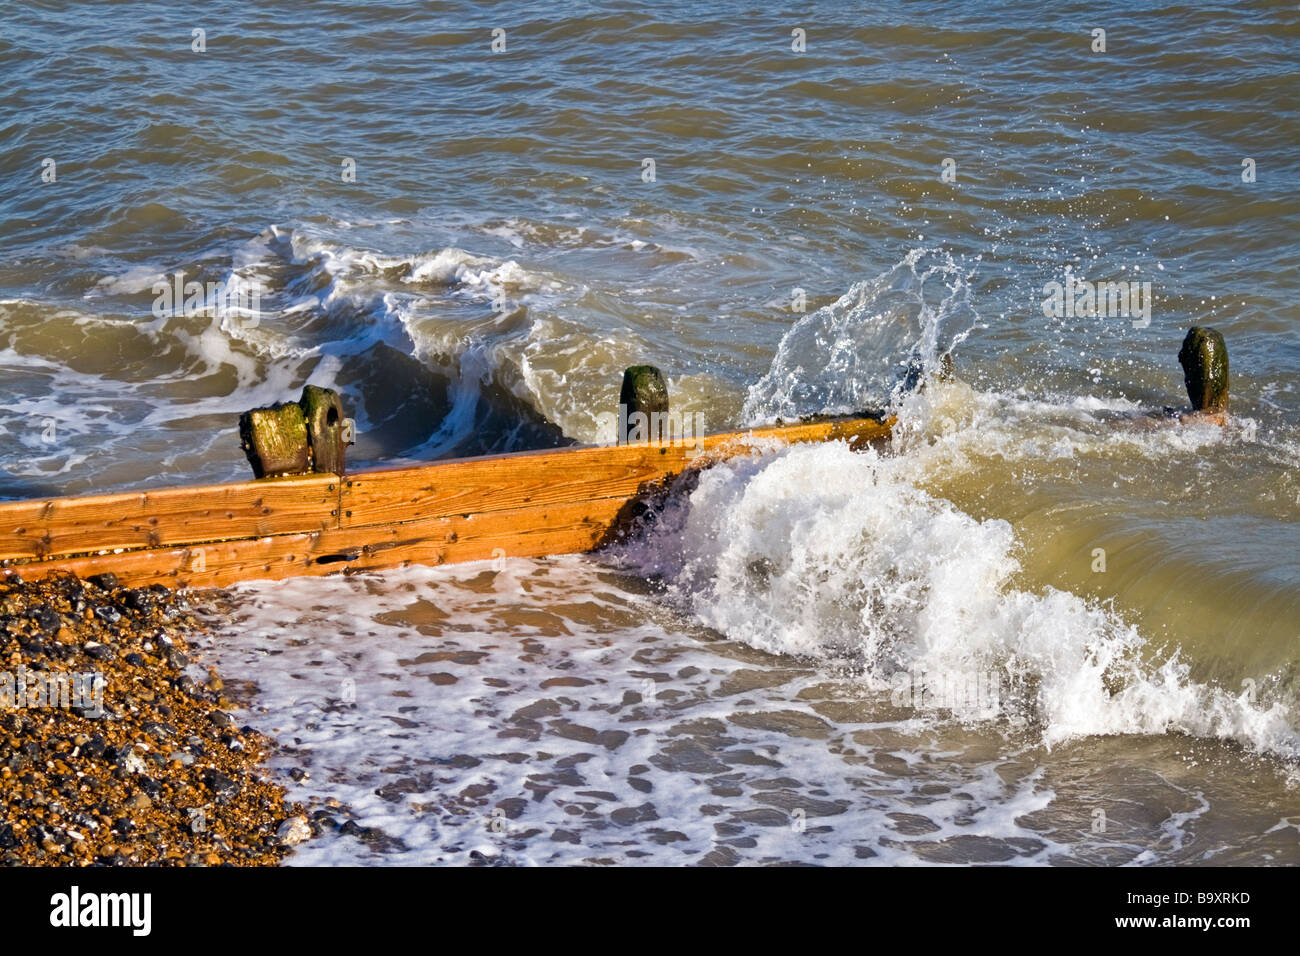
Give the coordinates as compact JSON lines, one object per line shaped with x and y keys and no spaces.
{"x":823,"y":552}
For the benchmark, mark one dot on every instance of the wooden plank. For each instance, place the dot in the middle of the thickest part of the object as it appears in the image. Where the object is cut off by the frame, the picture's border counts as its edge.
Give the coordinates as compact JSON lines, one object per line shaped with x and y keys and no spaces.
{"x":168,"y":516}
{"x":502,"y":482}
{"x":498,"y":482}
{"x":858,"y":432}
{"x":526,"y":504}
{"x":530,"y":532}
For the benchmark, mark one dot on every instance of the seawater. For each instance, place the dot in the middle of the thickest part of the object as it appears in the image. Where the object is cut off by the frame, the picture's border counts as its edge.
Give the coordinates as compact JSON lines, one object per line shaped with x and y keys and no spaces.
{"x":1042,"y":629}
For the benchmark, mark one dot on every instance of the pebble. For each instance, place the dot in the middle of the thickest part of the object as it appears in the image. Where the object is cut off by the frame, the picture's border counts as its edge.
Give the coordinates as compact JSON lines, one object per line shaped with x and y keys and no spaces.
{"x":132,"y":762}
{"x":119,"y":790}
{"x":293,"y":831}
{"x":46,"y":618}
{"x":218,"y":782}
{"x":108,"y":614}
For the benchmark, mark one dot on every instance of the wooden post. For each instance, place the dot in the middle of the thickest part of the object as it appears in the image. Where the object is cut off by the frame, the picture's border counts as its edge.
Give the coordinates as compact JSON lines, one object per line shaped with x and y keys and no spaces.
{"x":915,"y":375}
{"x":644,"y":395}
{"x":1204,"y":358}
{"x":947,"y":368}
{"x":275,"y":440}
{"x":296,"y":438}
{"x":322,"y":409}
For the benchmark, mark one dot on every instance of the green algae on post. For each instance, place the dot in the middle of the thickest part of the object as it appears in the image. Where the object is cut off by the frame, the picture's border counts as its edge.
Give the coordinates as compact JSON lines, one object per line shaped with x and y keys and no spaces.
{"x":323,"y":411}
{"x":275,"y":440}
{"x":1204,"y":357}
{"x":644,"y":393}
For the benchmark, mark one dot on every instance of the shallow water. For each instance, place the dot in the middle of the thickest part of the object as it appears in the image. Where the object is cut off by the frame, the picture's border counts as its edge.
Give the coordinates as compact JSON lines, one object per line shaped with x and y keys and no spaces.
{"x":554,"y":712}
{"x":501,"y":256}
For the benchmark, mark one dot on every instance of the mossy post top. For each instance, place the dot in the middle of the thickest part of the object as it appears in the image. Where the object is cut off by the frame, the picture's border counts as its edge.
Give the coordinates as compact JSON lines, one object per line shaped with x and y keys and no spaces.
{"x":644,"y":389}
{"x":644,"y":398}
{"x":1204,"y":357}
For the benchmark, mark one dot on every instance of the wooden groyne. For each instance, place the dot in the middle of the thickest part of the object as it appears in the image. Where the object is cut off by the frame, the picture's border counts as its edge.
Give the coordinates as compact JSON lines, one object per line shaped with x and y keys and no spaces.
{"x":525,"y":504}
{"x":316,"y":520}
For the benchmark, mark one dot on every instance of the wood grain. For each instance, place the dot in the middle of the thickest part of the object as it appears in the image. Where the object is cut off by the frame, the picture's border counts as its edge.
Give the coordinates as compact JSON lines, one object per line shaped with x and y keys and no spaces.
{"x":472,"y":485}
{"x":527,"y":504}
{"x":168,"y":516}
{"x":517,"y":533}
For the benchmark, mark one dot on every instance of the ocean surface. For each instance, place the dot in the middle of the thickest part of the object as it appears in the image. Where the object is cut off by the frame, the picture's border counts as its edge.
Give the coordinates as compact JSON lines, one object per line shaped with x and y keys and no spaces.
{"x":1043,"y":628}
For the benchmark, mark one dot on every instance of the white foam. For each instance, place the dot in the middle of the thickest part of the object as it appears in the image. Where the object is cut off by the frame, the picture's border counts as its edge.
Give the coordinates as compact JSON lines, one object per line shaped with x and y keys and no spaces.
{"x":546,"y":714}
{"x":823,"y":552}
{"x":137,"y":279}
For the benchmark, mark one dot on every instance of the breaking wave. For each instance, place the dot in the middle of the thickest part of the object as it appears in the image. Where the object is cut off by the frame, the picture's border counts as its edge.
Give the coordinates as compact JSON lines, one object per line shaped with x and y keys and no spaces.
{"x":823,"y":552}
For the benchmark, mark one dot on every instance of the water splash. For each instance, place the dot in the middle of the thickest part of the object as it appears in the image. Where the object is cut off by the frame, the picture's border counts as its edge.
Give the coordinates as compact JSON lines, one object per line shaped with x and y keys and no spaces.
{"x":871,"y":346}
{"x":821,"y":552}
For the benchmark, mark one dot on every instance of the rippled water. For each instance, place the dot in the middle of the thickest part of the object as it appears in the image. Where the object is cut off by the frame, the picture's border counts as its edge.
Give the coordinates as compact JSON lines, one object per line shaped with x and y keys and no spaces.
{"x":553,"y":712}
{"x":501,"y":256}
